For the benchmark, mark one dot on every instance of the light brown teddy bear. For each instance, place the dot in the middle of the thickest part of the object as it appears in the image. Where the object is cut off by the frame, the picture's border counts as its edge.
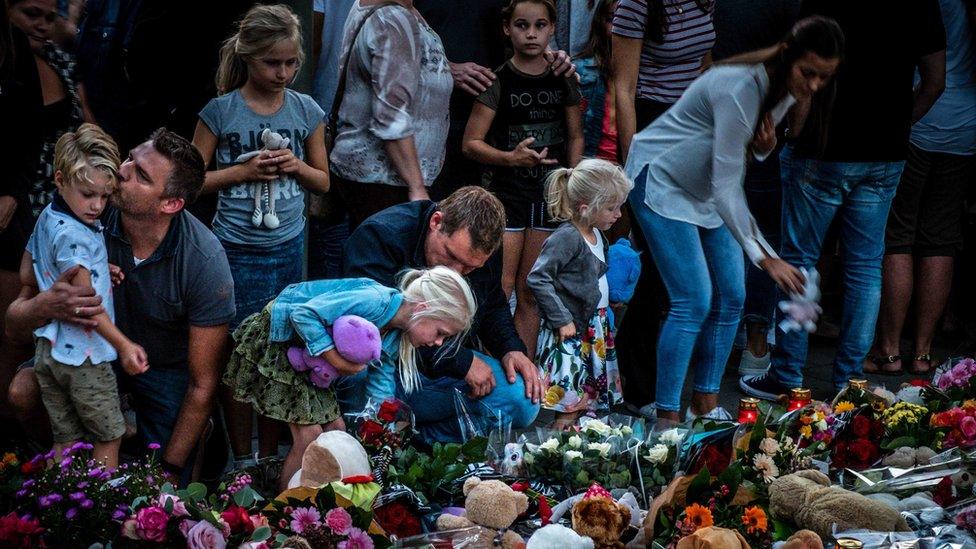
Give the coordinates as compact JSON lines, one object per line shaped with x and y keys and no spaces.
{"x":804,"y":539}
{"x":602,"y":520}
{"x":808,"y":500}
{"x":713,"y":537}
{"x":492,"y":505}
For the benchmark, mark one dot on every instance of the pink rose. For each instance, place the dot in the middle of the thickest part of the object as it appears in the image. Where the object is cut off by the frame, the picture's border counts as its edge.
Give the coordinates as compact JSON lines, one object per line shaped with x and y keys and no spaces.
{"x":968,"y":427}
{"x":151,"y":524}
{"x":339,"y":521}
{"x":179,"y":508}
{"x":185,"y":527}
{"x":204,"y":535}
{"x":255,"y":545}
{"x":259,"y":521}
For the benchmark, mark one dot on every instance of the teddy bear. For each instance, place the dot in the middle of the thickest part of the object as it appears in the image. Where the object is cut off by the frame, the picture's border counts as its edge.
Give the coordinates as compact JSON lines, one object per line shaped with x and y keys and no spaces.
{"x":802,"y":310}
{"x":907,"y":457}
{"x":808,"y":499}
{"x":713,"y":537}
{"x":623,"y":270}
{"x":557,"y":536}
{"x":803,"y":539}
{"x":356,"y":340}
{"x":493,"y":506}
{"x":598,"y":517}
{"x":272,"y":141}
{"x":333,"y":455}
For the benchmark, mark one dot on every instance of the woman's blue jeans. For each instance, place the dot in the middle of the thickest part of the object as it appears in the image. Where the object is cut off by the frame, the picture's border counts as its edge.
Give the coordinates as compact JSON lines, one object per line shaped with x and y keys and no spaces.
{"x":704,"y":273}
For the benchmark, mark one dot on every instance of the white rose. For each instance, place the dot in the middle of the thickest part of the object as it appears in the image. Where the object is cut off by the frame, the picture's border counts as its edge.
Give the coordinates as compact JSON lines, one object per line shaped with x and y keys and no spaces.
{"x":573,"y":454}
{"x":550,"y":445}
{"x":671,"y":437}
{"x":528,"y":458}
{"x":769,"y":446}
{"x":597,"y":427}
{"x":657,"y":454}
{"x":602,"y":447}
{"x":575,"y":441}
{"x":626,"y":431}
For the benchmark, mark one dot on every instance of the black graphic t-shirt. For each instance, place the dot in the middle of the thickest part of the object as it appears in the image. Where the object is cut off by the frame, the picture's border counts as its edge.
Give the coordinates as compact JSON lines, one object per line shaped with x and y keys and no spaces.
{"x":528,"y":106}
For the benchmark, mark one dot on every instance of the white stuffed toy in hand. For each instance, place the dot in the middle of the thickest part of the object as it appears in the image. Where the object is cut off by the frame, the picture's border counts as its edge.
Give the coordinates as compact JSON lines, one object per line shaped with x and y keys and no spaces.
{"x":803,"y":310}
{"x":272,"y":142}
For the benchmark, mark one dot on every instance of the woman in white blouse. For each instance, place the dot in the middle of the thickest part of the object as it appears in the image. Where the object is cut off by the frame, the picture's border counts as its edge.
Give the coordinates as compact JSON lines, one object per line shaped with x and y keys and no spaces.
{"x":688,"y":167}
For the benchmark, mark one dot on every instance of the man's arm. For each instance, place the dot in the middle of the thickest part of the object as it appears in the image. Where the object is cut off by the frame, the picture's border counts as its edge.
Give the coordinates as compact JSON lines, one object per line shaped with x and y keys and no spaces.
{"x":64,"y":302}
{"x":931,"y":71}
{"x":207,"y":352}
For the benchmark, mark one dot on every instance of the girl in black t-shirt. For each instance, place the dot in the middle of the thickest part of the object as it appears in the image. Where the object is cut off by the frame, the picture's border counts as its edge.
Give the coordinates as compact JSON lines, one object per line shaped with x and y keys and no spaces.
{"x":524,"y":126}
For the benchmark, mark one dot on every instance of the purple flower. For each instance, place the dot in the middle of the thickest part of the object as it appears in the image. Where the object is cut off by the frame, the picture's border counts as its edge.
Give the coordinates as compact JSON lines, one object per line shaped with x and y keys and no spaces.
{"x":77,"y":496}
{"x":71,"y":514}
{"x":66,"y":462}
{"x":47,"y":456}
{"x":303,"y":517}
{"x":22,"y":493}
{"x":154,"y":446}
{"x":49,"y":500}
{"x":357,"y":540}
{"x":118,"y":514}
{"x":27,"y":483}
{"x":82,"y":485}
{"x":87,"y":504}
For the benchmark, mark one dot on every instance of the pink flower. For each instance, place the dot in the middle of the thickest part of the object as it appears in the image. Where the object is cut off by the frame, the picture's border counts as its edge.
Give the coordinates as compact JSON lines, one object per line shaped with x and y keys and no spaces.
{"x":968,"y":427}
{"x":129,"y":529}
{"x":204,"y":535}
{"x":339,"y":521}
{"x":259,"y":521}
{"x":151,"y":524}
{"x":186,"y":526}
{"x":303,"y":517}
{"x":255,"y":545}
{"x":179,"y":508}
{"x":357,"y":540}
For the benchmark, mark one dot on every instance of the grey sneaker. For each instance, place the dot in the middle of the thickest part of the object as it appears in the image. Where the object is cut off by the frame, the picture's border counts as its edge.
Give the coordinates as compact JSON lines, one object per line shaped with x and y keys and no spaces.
{"x":716,"y":414}
{"x":752,"y":365}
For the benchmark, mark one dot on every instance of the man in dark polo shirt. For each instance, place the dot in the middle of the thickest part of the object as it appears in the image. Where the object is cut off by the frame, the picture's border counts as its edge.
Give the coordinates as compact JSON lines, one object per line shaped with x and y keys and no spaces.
{"x":463,"y":233}
{"x":175,"y":299}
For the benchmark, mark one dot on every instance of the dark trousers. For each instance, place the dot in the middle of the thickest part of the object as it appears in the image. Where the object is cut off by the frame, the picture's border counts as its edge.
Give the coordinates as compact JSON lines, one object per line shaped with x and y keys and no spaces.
{"x":364,"y":199}
{"x":637,"y":336}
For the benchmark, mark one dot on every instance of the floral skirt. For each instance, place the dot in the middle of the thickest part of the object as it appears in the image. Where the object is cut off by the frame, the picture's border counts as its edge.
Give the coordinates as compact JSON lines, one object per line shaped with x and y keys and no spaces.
{"x":582,"y":370}
{"x":260,"y":375}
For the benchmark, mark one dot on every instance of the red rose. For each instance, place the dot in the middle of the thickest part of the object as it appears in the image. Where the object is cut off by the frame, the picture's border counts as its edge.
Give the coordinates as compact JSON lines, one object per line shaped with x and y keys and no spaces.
{"x":864,"y":453}
{"x":238,"y":519}
{"x":29,"y":467}
{"x":861,"y":427}
{"x":545,"y":512}
{"x":920,"y":383}
{"x":388,"y":410}
{"x":397,"y":519}
{"x":358,"y":479}
{"x":839,"y":457}
{"x":942,"y":495}
{"x":520,"y":486}
{"x":370,"y":432}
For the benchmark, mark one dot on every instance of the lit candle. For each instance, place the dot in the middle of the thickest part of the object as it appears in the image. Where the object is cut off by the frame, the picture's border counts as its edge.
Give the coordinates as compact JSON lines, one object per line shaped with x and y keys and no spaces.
{"x":861,"y":384}
{"x":748,"y":410}
{"x":799,"y":398}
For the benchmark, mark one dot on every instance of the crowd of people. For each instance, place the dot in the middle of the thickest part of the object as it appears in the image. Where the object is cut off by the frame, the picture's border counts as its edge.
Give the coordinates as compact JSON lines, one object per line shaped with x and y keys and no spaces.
{"x":456,"y":177}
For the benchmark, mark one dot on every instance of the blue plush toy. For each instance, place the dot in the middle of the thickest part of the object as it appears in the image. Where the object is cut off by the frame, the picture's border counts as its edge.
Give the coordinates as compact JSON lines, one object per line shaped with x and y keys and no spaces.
{"x":624,"y":270}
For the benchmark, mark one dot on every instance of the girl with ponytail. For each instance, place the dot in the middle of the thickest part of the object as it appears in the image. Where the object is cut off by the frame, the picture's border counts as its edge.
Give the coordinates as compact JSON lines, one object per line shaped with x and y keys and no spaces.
{"x":569,"y":282}
{"x":430,"y":307}
{"x":261,"y":197}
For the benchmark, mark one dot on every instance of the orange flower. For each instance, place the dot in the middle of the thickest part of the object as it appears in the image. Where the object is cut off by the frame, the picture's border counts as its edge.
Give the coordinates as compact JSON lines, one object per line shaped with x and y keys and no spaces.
{"x":754,"y":520}
{"x":806,"y":420}
{"x":700,"y":516}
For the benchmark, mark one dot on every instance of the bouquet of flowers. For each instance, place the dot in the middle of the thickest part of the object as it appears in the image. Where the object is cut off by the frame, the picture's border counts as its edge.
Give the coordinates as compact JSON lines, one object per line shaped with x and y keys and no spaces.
{"x":856,"y":446}
{"x":657,"y":458}
{"x":906,"y":424}
{"x":76,"y":500}
{"x":191,"y":518}
{"x":383,"y":431}
{"x":957,"y":426}
{"x":598,"y":452}
{"x":329,"y":518}
{"x":435,"y":474}
{"x":957,"y":381}
{"x":764,"y":455}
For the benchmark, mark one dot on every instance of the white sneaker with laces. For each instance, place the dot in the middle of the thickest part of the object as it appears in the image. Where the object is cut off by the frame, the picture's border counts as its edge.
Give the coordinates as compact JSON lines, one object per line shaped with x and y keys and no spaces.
{"x":717,"y":414}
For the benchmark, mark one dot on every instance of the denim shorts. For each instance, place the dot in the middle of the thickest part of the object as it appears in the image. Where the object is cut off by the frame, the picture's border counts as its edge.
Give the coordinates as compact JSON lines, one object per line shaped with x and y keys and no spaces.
{"x":260,"y":274}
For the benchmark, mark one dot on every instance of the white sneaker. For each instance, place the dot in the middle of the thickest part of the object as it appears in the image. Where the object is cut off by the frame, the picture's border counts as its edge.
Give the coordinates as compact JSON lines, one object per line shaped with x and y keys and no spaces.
{"x":752,"y":365}
{"x":717,"y":414}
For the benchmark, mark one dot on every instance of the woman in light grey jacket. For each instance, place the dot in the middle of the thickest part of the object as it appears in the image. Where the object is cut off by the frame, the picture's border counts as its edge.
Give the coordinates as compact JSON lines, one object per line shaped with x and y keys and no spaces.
{"x":688,"y":199}
{"x":569,"y":283}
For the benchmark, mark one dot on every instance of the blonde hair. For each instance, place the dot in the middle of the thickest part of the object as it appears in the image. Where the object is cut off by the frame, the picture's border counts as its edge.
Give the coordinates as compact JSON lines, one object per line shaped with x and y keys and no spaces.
{"x":448,"y":298}
{"x":593,"y":182}
{"x":261,"y":29}
{"x":87,"y":148}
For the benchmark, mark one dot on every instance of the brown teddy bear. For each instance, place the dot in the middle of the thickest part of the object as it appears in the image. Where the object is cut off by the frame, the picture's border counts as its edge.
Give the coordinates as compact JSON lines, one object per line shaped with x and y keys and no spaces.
{"x":713,"y":537}
{"x":492,"y":505}
{"x":808,"y":500}
{"x":804,"y":539}
{"x":601,"y":519}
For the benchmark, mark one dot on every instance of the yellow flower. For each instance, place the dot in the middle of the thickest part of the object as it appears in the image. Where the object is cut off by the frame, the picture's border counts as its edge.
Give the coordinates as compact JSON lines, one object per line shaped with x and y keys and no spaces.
{"x":8,"y":460}
{"x":806,"y":431}
{"x":843,"y":406}
{"x":601,"y":348}
{"x":554,"y":394}
{"x":971,"y":403}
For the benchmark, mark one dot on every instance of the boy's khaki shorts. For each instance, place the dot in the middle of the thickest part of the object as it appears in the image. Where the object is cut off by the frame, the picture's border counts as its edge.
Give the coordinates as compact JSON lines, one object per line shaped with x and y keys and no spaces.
{"x":82,"y":401}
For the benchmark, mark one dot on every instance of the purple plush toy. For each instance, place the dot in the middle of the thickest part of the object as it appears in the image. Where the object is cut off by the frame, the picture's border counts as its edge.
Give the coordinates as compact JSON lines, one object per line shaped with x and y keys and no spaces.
{"x":356,"y":339}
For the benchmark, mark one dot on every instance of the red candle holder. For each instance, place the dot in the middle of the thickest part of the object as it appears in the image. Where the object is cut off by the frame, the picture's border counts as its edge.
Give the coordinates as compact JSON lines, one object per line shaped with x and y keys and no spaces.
{"x":748,"y":410}
{"x":799,"y":398}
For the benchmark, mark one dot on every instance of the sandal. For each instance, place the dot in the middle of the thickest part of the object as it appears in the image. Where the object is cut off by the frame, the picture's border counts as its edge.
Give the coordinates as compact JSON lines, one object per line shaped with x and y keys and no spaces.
{"x":880,"y":362}
{"x":921,"y":357}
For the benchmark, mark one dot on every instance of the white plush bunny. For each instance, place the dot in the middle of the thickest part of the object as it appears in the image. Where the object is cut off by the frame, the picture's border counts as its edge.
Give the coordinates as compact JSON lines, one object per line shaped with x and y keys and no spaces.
{"x":802,"y":310}
{"x":273,"y":141}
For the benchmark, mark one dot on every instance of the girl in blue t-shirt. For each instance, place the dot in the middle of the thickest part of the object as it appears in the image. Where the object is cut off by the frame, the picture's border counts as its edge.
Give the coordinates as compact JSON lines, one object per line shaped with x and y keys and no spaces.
{"x":260,"y":198}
